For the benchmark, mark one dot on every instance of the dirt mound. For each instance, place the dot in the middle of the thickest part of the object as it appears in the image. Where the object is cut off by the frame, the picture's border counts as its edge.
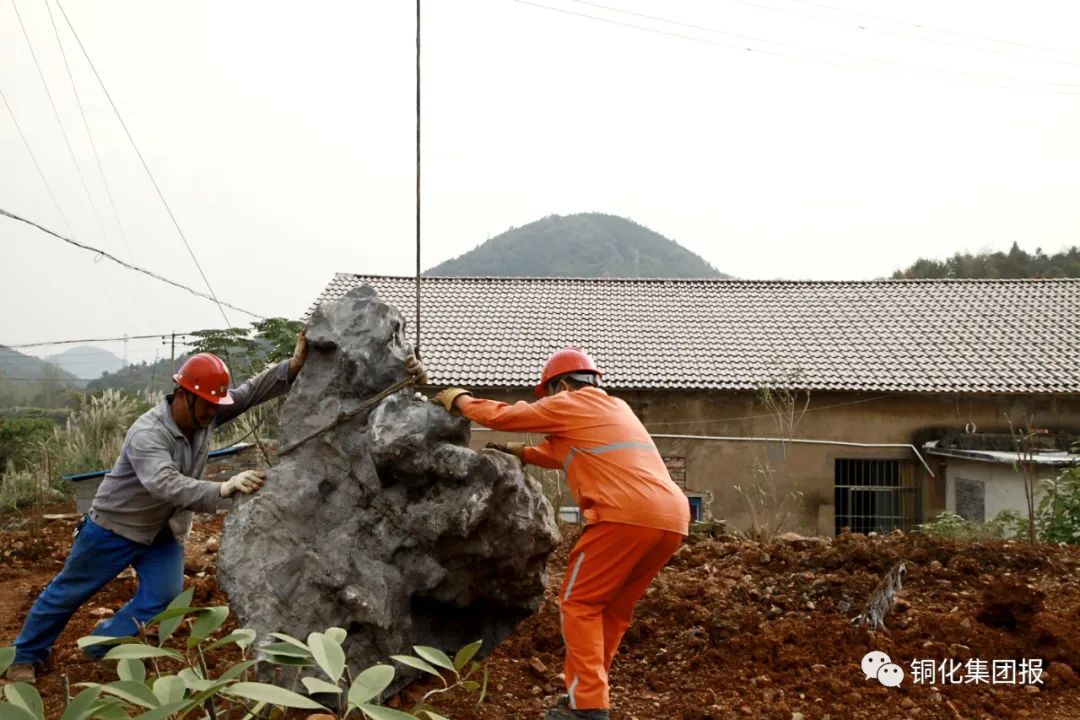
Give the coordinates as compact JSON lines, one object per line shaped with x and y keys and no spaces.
{"x":732,"y":629}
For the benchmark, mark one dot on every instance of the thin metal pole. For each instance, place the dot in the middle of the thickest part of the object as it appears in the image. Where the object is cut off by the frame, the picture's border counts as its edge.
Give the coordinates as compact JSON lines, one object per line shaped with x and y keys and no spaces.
{"x":417,"y":348}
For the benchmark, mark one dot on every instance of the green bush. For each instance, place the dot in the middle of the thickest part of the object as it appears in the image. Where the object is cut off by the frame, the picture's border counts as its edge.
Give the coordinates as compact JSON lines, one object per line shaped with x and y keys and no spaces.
{"x":1057,"y":518}
{"x":18,"y":438}
{"x":318,"y":664}
{"x":1006,"y":523}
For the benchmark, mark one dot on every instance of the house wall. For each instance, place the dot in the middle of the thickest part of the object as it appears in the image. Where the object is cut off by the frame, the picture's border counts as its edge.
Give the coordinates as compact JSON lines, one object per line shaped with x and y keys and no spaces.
{"x":1001,"y":484}
{"x":715,"y":468}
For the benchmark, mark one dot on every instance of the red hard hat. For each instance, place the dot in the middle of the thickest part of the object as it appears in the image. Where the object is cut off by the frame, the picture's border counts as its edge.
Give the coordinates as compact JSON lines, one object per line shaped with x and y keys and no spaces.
{"x":207,"y":376}
{"x":564,"y":361}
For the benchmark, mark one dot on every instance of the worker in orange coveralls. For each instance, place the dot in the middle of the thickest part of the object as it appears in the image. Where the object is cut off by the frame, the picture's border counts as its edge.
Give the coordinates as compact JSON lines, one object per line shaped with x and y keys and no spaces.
{"x":635,"y":516}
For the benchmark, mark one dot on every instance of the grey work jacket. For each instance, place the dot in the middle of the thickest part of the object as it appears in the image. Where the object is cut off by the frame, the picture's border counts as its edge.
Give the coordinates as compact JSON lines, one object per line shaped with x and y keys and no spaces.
{"x":156,"y":478}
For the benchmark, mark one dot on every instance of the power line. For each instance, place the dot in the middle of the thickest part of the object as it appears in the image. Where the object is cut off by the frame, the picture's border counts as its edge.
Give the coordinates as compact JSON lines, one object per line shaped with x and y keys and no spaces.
{"x":59,"y":122}
{"x":921,"y":26}
{"x":128,"y":265}
{"x":993,"y":80}
{"x":146,"y":167}
{"x":94,"y":340}
{"x":33,"y":157}
{"x":89,"y":135}
{"x":853,"y":26}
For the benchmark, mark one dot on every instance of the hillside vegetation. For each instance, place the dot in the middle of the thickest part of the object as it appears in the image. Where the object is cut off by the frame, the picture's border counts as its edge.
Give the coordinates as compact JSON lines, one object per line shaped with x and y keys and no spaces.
{"x":583,"y":245}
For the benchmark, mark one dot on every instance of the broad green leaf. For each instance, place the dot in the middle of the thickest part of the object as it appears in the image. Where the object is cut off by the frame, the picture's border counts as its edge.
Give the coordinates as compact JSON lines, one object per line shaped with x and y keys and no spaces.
{"x":7,"y":656}
{"x":105,"y":640}
{"x":470,"y":685}
{"x":286,"y":649}
{"x":162,"y":713}
{"x":370,"y":683}
{"x":139,"y":651}
{"x":432,"y":715}
{"x":212,"y":688}
{"x":241,"y":638}
{"x":133,"y":692}
{"x":272,"y":694}
{"x":381,"y":713}
{"x":108,"y":709}
{"x":169,"y":689}
{"x":290,"y":639}
{"x":209,"y":620}
{"x":315,"y":685}
{"x":168,"y":626}
{"x":14,"y":712}
{"x":190,"y":676}
{"x":79,"y":707}
{"x":337,"y":634}
{"x":171,"y":613}
{"x":416,"y":663}
{"x":328,"y":654}
{"x":25,"y":696}
{"x":237,"y":670}
{"x":289,"y":661}
{"x":465,"y":654}
{"x":131,"y":669}
{"x":435,"y":657}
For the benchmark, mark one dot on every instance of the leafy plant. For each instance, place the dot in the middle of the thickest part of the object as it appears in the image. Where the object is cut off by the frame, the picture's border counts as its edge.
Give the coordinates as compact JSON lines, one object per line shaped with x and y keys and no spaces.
{"x":1058,"y":513}
{"x":771,"y":489}
{"x":949,"y":525}
{"x":147,"y":690}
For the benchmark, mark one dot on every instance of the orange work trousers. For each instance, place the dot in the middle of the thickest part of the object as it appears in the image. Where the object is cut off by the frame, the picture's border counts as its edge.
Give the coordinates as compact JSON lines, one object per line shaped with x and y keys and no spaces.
{"x":607,"y":573}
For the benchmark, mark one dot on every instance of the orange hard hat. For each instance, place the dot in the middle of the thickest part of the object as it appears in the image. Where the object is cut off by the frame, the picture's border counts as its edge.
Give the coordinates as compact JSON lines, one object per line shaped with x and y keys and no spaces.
{"x":567,"y":360}
{"x":207,"y":376}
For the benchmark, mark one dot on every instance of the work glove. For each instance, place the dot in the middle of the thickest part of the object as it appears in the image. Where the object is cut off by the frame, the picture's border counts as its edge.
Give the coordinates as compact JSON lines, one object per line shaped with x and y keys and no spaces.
{"x":447,"y":397}
{"x":517,"y":449}
{"x":246,"y":482}
{"x":416,"y":368}
{"x":299,"y":355}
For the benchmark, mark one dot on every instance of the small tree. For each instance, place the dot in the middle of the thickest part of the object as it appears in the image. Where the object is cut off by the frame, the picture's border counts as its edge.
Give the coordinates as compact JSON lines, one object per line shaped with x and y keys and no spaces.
{"x":770,"y":506}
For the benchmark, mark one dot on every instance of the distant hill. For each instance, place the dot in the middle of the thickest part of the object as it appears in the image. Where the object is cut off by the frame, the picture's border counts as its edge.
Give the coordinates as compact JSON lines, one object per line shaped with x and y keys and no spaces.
{"x":583,"y":245}
{"x":86,"y":361}
{"x":27,"y":380}
{"x":156,"y":376}
{"x":1014,"y":264}
{"x":17,"y":366}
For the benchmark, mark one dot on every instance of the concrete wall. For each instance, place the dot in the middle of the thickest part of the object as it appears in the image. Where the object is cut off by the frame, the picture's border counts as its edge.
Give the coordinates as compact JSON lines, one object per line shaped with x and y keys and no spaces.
{"x":1001,"y":485}
{"x":717,"y":467}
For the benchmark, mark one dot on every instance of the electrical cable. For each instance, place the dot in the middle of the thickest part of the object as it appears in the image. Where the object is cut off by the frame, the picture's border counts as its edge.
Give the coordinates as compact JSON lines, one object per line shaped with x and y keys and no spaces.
{"x":60,"y":123}
{"x":129,"y":266}
{"x":30,"y":151}
{"x":89,"y":135}
{"x":146,"y":167}
{"x":981,"y":78}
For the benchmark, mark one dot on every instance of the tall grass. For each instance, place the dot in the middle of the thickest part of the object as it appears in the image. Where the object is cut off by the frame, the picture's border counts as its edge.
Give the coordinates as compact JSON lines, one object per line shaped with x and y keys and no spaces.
{"x":90,"y":440}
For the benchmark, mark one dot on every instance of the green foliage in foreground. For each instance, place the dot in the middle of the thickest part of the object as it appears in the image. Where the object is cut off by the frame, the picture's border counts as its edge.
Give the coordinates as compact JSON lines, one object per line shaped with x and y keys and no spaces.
{"x":149,"y":689}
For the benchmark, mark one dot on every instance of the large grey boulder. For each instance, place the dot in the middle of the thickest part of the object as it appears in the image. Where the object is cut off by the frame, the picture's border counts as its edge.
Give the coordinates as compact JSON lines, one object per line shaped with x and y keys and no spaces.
{"x":386,"y":525}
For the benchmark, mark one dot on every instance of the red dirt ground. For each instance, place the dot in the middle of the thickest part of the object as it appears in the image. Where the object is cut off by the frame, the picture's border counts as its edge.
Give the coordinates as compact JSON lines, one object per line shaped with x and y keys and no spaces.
{"x":730,"y":629}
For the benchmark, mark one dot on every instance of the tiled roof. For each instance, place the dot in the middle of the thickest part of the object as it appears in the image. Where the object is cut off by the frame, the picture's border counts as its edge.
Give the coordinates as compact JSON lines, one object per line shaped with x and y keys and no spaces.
{"x":928,"y":336}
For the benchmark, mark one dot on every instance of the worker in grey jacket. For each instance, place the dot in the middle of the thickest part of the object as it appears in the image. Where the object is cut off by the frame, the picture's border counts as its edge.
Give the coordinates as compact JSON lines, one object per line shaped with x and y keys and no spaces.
{"x":142,"y":511}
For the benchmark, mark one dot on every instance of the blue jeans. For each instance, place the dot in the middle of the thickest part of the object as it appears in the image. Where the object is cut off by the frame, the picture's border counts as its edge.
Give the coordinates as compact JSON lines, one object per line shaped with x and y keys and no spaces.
{"x":97,"y":556}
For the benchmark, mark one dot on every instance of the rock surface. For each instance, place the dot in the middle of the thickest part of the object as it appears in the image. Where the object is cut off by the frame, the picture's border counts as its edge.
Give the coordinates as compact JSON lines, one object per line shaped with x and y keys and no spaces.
{"x":386,"y":525}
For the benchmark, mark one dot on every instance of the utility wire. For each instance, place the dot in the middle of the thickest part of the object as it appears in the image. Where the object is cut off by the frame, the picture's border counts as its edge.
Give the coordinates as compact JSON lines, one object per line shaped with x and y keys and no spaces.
{"x":417,"y":348}
{"x":921,"y":26}
{"x":89,"y":135}
{"x":94,"y":340}
{"x":885,"y":31}
{"x":129,"y":265}
{"x":146,"y":167}
{"x":993,"y":80}
{"x":33,"y":157}
{"x":60,"y":123}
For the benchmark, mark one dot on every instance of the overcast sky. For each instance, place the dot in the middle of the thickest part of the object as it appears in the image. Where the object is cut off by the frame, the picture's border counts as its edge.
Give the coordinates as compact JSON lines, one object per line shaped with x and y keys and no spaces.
{"x":282,"y":134}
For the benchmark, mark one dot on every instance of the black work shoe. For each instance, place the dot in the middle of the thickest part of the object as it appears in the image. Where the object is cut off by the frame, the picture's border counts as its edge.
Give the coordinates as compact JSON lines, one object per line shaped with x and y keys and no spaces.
{"x":560,"y":712}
